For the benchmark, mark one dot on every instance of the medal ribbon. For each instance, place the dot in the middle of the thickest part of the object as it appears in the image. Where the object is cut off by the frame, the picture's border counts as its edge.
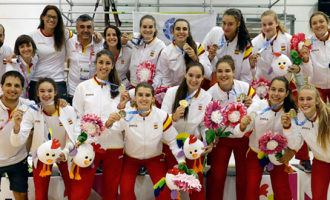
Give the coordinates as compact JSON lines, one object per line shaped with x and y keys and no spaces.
{"x":304,"y":121}
{"x":40,"y":104}
{"x":266,"y":43}
{"x":269,"y":108}
{"x":108,"y":83}
{"x":133,"y":113}
{"x":223,"y":42}
{"x":191,"y":95}
{"x":25,"y":76}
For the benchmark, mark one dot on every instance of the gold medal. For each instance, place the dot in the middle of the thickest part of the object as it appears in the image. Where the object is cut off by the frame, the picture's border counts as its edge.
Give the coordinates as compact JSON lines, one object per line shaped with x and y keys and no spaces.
{"x":130,"y":36}
{"x":242,"y":96}
{"x":121,"y":89}
{"x":259,"y":56}
{"x":122,"y":113}
{"x":253,"y":115}
{"x":292,"y":113}
{"x":308,"y":42}
{"x":185,"y":46}
{"x":184,"y":103}
{"x":215,"y":46}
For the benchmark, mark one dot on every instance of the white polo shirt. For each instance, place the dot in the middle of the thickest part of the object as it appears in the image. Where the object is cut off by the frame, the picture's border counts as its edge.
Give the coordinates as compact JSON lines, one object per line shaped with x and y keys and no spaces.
{"x":122,"y":64}
{"x":5,"y":50}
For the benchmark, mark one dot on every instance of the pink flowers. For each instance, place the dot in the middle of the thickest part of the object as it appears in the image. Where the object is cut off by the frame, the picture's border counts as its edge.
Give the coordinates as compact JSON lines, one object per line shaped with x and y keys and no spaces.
{"x":272,"y":144}
{"x":145,"y":72}
{"x":235,"y":112}
{"x":160,"y":93}
{"x":261,"y":87}
{"x":187,"y":183}
{"x":214,"y":115}
{"x":92,"y":125}
{"x":297,"y":41}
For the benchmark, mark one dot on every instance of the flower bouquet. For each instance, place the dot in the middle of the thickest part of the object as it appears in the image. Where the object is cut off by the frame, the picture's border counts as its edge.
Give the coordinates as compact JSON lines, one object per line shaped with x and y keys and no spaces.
{"x":146,"y":72}
{"x":235,"y":112}
{"x":261,"y":87}
{"x":160,"y":94}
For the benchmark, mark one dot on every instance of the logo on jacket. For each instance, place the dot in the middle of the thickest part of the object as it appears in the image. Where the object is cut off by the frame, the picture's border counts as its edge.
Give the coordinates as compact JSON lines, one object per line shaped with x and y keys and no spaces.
{"x":263,"y":119}
{"x":89,"y":95}
{"x":155,"y":125}
{"x":168,"y":27}
{"x":152,"y":54}
{"x":122,"y":62}
{"x":200,"y":107}
{"x":305,"y":128}
{"x":132,"y":125}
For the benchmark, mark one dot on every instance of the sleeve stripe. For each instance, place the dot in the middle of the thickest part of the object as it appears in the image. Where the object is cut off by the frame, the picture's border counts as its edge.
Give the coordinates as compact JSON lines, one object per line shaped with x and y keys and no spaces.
{"x":247,"y":134}
{"x":167,"y":123}
{"x":251,"y":92}
{"x":247,"y":52}
{"x":201,"y":50}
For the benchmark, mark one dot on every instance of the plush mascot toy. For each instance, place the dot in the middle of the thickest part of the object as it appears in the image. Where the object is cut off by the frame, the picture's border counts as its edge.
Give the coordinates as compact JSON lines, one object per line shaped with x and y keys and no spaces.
{"x":280,"y":64}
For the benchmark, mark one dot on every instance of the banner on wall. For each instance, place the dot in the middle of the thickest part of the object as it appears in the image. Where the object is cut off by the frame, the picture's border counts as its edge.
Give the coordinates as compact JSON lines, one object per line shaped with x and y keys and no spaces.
{"x":200,"y":24}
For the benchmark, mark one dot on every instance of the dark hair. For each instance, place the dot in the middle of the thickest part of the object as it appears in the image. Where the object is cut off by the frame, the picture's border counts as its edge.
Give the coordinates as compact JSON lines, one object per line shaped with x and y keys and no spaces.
{"x":51,"y":81}
{"x":182,"y":91}
{"x":289,"y":102}
{"x":243,"y":39}
{"x":3,"y":28}
{"x":84,"y":18}
{"x":118,"y":33}
{"x":15,"y":74}
{"x":144,"y":85}
{"x":153,"y":19}
{"x":190,"y":40}
{"x":318,"y":13}
{"x":59,"y":35}
{"x":113,"y":76}
{"x":24,"y":39}
{"x":227,"y":59}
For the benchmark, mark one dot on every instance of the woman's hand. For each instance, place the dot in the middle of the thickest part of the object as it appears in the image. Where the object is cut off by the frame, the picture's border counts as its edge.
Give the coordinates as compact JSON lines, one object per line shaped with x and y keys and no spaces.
{"x":208,"y":149}
{"x":304,"y":51}
{"x":253,"y":60}
{"x":113,"y":117}
{"x":178,"y":113}
{"x":18,"y":116}
{"x":285,"y":120}
{"x":124,"y":39}
{"x":63,"y":103}
{"x":77,"y":145}
{"x":124,"y":98}
{"x":288,"y":155}
{"x":9,"y":57}
{"x":191,"y":53}
{"x":294,"y":68}
{"x":61,"y":158}
{"x":246,"y":120}
{"x":248,"y":101}
{"x":212,"y":52}
{"x":97,"y":37}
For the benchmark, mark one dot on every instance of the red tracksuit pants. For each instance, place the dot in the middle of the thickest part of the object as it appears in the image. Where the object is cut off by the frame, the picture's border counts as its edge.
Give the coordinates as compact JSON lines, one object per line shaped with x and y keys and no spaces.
{"x":325,"y":94}
{"x":171,"y":162}
{"x":320,"y":179}
{"x":156,"y":168}
{"x":112,"y":164}
{"x":303,"y":153}
{"x":219,"y":164}
{"x":41,"y":184}
{"x":279,"y":179}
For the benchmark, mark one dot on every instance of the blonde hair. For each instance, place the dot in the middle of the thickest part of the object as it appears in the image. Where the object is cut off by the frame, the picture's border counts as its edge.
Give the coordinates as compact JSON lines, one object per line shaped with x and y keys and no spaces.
{"x":274,"y":15}
{"x":323,"y":138}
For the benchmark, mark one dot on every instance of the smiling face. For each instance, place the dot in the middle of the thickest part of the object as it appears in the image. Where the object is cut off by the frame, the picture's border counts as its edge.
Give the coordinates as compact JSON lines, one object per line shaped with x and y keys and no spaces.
{"x":147,"y":29}
{"x":277,"y":92}
{"x":12,"y":88}
{"x":225,"y":75}
{"x":194,"y":78}
{"x":230,"y":25}
{"x":104,"y":66}
{"x":111,"y":37}
{"x":85,"y":30}
{"x":144,"y":98}
{"x":307,"y":102}
{"x":2,"y":36}
{"x":319,"y":25}
{"x":46,"y":92}
{"x":50,"y":19}
{"x":26,"y":50}
{"x":269,"y":26}
{"x":181,"y":31}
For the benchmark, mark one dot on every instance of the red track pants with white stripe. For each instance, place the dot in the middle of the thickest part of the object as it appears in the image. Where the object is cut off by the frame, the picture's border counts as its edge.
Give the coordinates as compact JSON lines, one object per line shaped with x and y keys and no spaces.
{"x":320,"y":179}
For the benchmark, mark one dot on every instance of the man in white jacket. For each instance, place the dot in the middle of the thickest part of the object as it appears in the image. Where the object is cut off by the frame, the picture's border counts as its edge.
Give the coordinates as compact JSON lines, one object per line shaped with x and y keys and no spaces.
{"x":5,"y":50}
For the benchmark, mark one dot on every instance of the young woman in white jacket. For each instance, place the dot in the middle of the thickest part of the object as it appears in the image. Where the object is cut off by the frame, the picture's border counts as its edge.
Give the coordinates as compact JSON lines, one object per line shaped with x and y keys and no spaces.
{"x":228,"y":90}
{"x":95,"y":96}
{"x":176,"y":56}
{"x":144,"y":132}
{"x":231,"y":39}
{"x":190,"y":119}
{"x":313,"y":124}
{"x":50,"y":116}
{"x":269,"y":119}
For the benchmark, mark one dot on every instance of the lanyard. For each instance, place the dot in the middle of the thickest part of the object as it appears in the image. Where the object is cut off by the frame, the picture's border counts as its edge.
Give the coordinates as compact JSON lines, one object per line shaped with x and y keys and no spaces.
{"x":25,"y":76}
{"x":91,"y":54}
{"x":141,"y":41}
{"x":234,"y":92}
{"x":223,"y":42}
{"x":266,"y":43}
{"x":304,"y":121}
{"x":191,"y":95}
{"x":133,"y":113}
{"x":6,"y":122}
{"x":40,"y":104}
{"x":269,"y":108}
{"x":178,"y":48}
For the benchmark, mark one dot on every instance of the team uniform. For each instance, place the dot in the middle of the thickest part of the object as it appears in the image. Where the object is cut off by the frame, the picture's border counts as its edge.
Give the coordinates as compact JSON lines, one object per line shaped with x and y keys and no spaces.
{"x":221,"y":153}
{"x":91,"y":97}
{"x":321,"y":162}
{"x":51,"y":62}
{"x":317,"y":69}
{"x":269,"y":121}
{"x":143,"y":147}
{"x":5,"y":51}
{"x":193,"y":126}
{"x":82,"y":62}
{"x":26,"y":70}
{"x":148,"y":51}
{"x":123,"y":61}
{"x":13,"y":160}
{"x":173,"y":65}
{"x":242,"y":63}
{"x":62,"y":125}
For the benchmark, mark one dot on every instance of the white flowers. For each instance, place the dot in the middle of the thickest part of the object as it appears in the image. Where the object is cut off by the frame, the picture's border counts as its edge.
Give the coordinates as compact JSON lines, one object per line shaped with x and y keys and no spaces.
{"x":216,"y":117}
{"x":234,"y":116}
{"x":89,"y":127}
{"x":261,"y":89}
{"x":300,"y":45}
{"x":272,"y":144}
{"x":144,"y":74}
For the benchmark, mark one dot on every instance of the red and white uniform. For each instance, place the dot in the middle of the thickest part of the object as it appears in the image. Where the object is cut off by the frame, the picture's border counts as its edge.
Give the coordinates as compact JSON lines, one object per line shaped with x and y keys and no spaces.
{"x":51,"y":62}
{"x":85,"y":58}
{"x":242,"y":63}
{"x":5,"y":51}
{"x":221,"y":153}
{"x":173,"y":65}
{"x":91,"y":97}
{"x":123,"y":62}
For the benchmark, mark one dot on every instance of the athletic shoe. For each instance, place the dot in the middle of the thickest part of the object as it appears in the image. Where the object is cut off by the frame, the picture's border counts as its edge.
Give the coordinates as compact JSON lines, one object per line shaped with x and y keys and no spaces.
{"x":305,"y":165}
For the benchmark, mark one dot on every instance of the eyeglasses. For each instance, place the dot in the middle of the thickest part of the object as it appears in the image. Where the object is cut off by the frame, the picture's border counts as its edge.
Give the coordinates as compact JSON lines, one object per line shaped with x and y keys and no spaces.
{"x":51,"y":17}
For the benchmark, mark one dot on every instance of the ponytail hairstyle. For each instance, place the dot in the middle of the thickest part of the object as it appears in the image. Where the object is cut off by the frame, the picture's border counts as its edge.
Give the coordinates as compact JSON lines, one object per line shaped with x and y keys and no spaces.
{"x":289,"y":102}
{"x":144,"y":85}
{"x":153,"y":19}
{"x":182,"y":91}
{"x":323,"y":137}
{"x":318,"y":13}
{"x":190,"y":40}
{"x":51,"y":81}
{"x":118,"y":33}
{"x":274,"y":15}
{"x":113,"y":76}
{"x":243,"y":39}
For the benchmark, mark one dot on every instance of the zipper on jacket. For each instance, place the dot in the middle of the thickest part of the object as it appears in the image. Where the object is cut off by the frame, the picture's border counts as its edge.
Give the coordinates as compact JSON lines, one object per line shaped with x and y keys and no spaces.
{"x":228,"y":95}
{"x":312,"y":124}
{"x":144,"y":134}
